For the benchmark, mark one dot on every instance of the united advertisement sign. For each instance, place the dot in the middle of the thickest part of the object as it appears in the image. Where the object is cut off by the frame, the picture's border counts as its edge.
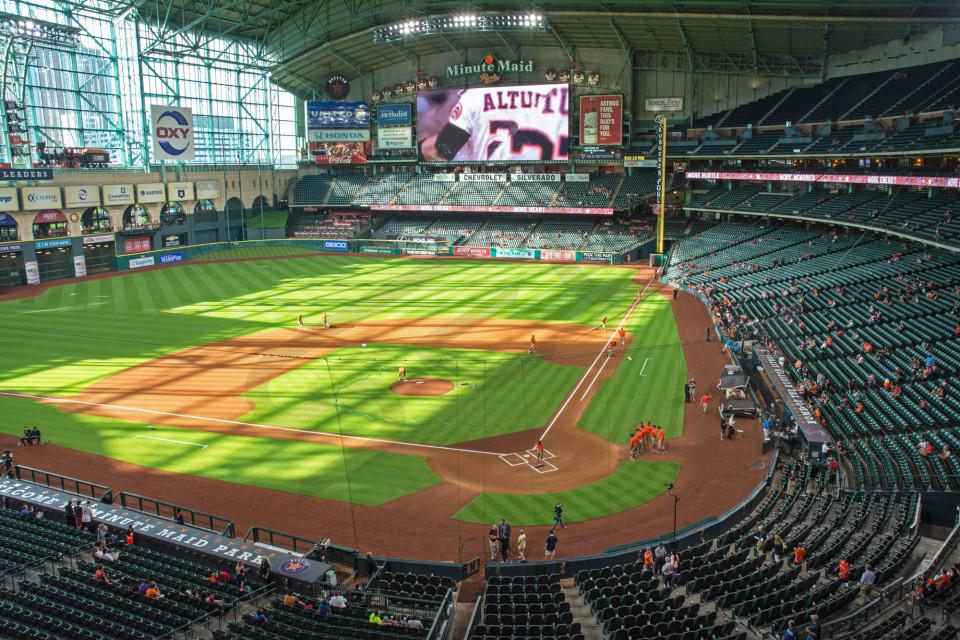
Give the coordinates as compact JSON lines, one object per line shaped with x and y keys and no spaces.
{"x":172,"y":131}
{"x":338,"y":115}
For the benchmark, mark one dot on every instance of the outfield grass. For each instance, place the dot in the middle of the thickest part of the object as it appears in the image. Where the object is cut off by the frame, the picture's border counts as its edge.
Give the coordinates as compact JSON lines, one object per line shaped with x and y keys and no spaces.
{"x":631,"y":484}
{"x":494,"y":393}
{"x":648,"y":384}
{"x":305,"y":468}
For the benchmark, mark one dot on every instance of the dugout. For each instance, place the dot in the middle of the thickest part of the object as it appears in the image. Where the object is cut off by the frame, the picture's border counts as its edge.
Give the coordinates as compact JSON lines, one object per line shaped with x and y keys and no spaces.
{"x":12,"y":271}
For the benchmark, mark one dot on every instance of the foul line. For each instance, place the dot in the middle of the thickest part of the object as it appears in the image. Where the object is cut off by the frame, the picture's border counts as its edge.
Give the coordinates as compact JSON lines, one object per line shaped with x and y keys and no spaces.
{"x":644,"y":367}
{"x":256,"y":425}
{"x":603,"y":351}
{"x":192,"y":444}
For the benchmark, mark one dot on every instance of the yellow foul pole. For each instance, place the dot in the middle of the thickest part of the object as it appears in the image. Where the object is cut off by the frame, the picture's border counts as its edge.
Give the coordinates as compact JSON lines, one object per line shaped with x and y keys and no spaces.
{"x":661,"y":179}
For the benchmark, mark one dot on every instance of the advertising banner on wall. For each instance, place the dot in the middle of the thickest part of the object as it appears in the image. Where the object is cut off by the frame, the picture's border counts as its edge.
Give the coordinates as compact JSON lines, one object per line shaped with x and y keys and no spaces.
{"x":151,"y":192}
{"x":117,"y":194}
{"x":25,"y":174}
{"x":517,"y":254}
{"x":600,"y":154}
{"x":661,"y":156}
{"x":38,"y":198}
{"x":635,"y":161}
{"x":335,"y":245}
{"x":208,"y":189}
{"x":597,"y":211}
{"x":395,"y":115}
{"x":444,"y":177}
{"x":53,"y":244}
{"x":180,"y":191}
{"x":663,"y":104}
{"x":601,"y":120}
{"x":535,"y":177}
{"x":338,"y":115}
{"x":340,"y":152}
{"x":107,"y":237}
{"x":172,"y":131}
{"x":474,"y":252}
{"x":81,"y":197}
{"x":33,"y":272}
{"x":137,"y":245}
{"x":558,"y":254}
{"x":577,"y":177}
{"x":395,"y":138}
{"x":174,"y":240}
{"x":79,"y":266}
{"x":146,"y":261}
{"x":483,"y":177}
{"x":904,"y":181}
{"x":167,"y":258}
{"x":338,"y":135}
{"x":8,"y":199}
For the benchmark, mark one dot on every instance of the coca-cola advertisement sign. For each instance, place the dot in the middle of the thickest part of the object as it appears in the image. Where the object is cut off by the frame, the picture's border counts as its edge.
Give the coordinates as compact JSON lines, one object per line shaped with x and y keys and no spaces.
{"x":473,"y":252}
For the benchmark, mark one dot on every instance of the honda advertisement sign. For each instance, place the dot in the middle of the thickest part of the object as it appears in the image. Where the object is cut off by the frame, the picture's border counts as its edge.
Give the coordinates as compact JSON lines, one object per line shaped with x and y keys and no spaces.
{"x":172,"y":131}
{"x":338,"y":135}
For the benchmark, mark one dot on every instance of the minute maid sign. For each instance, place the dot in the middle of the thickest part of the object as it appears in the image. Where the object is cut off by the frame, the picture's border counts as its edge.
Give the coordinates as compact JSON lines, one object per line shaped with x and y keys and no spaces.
{"x":490,"y":68}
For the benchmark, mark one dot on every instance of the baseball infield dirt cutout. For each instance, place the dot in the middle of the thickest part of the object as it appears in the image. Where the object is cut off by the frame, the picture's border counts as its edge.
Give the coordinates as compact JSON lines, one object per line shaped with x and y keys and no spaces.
{"x":422,"y":387}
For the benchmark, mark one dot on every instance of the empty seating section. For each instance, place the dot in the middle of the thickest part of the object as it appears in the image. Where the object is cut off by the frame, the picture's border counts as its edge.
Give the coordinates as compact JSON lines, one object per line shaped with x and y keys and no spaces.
{"x":905,"y":211}
{"x":758,"y":144}
{"x":28,"y":541}
{"x":333,"y":225}
{"x":559,"y":234}
{"x":752,"y":112}
{"x":406,"y":225}
{"x":423,"y":189}
{"x":636,"y":188}
{"x":526,"y":607}
{"x":311,"y":190}
{"x":614,"y":236}
{"x":381,"y":189}
{"x":800,"y":102}
{"x":502,"y":233}
{"x":528,"y":194}
{"x":344,"y":188}
{"x":473,"y":194}
{"x":422,"y":587}
{"x":595,"y":193}
{"x":848,"y":314}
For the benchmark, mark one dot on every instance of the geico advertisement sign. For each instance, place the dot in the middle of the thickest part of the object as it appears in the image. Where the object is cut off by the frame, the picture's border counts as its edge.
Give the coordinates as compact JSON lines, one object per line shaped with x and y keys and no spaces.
{"x":172,"y":129}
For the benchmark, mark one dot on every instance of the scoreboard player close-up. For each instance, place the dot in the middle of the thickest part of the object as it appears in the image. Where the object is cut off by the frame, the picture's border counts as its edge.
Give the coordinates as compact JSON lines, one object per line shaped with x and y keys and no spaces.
{"x":495,"y":124}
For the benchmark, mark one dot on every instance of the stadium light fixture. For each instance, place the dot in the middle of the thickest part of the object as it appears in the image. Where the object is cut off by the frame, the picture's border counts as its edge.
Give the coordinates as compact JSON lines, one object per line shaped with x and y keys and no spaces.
{"x":460,"y":23}
{"x":38,"y":31}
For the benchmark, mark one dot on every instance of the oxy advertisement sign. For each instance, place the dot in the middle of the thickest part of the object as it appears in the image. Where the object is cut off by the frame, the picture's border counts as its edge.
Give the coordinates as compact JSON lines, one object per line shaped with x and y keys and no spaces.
{"x":395,"y":138}
{"x":82,"y":197}
{"x":8,"y":199}
{"x":558,"y":254}
{"x":473,"y":252}
{"x":79,"y":266}
{"x":172,"y":131}
{"x":207,"y":189}
{"x":118,"y":194}
{"x":338,"y":115}
{"x":516,"y":254}
{"x":180,"y":191}
{"x":335,"y":245}
{"x":151,"y":192}
{"x":338,"y":135}
{"x":145,"y":261}
{"x":395,"y":115}
{"x":38,"y":198}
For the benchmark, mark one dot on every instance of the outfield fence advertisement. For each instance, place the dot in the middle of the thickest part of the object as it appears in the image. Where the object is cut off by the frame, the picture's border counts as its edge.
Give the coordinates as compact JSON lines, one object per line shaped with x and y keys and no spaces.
{"x":519,"y":254}
{"x":335,"y":245}
{"x":558,"y":254}
{"x":473,"y":252}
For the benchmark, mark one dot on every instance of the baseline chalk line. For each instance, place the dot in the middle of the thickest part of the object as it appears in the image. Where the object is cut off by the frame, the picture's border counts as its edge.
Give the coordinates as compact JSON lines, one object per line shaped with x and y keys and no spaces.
{"x":644,"y":367}
{"x":192,"y":444}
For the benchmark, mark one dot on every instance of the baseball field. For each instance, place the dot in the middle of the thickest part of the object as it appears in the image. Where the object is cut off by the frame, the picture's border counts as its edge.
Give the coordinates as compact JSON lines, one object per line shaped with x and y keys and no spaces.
{"x":201,"y":370}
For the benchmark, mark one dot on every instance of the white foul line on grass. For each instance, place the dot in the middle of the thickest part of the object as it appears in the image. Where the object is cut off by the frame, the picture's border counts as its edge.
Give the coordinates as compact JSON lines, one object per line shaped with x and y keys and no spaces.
{"x":603,"y":351}
{"x":644,"y":367}
{"x":255,"y":425}
{"x":192,"y":444}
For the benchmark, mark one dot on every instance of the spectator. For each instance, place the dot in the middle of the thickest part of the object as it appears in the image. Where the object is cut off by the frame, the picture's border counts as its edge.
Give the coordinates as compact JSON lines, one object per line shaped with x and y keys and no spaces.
{"x":522,"y":545}
{"x":153,"y":592}
{"x":101,"y":553}
{"x":814,"y":630}
{"x":77,"y":514}
{"x":660,"y":556}
{"x":503,"y":535}
{"x":142,"y":587}
{"x":240,"y":571}
{"x":799,"y":555}
{"x":412,"y":623}
{"x":264,"y":570}
{"x":867,"y":579}
{"x":667,"y":572}
{"x":790,"y":633}
{"x":370,"y":565}
{"x":705,"y":402}
{"x":323,"y":609}
{"x":338,"y":601}
{"x":224,"y":576}
{"x":843,"y":571}
{"x":129,"y":535}
{"x":375,"y":618}
{"x":177,"y":516}
{"x":68,"y":513}
{"x":290,"y":600}
{"x":261,"y":617}
{"x":86,"y":516}
{"x":100,"y":575}
{"x":492,"y":536}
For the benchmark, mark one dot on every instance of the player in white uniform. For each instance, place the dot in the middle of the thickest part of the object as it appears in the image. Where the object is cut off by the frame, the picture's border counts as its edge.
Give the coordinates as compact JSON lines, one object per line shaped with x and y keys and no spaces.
{"x":504,"y":124}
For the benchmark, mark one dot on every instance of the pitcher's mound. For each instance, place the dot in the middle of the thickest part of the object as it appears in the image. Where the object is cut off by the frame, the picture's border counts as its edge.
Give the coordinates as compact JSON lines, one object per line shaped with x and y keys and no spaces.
{"x":422,"y":387}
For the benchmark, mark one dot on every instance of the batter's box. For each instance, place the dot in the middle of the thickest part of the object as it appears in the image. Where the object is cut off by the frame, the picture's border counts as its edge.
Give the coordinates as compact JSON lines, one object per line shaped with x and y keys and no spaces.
{"x":513,"y":459}
{"x":543,"y":467}
{"x":532,"y":454}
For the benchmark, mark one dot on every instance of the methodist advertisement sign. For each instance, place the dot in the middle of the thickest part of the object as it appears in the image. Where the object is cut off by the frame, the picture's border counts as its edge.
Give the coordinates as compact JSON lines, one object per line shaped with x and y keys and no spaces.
{"x":81,"y":197}
{"x":338,"y":115}
{"x":39,"y":198}
{"x":395,"y":115}
{"x":172,"y":131}
{"x":601,"y":120}
{"x":117,"y":194}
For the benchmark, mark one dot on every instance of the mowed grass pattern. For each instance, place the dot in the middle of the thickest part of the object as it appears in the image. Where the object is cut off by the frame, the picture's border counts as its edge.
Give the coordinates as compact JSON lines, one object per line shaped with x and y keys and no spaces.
{"x":631,"y":484}
{"x":349,"y":392}
{"x":648,"y":384}
{"x":304,"y":468}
